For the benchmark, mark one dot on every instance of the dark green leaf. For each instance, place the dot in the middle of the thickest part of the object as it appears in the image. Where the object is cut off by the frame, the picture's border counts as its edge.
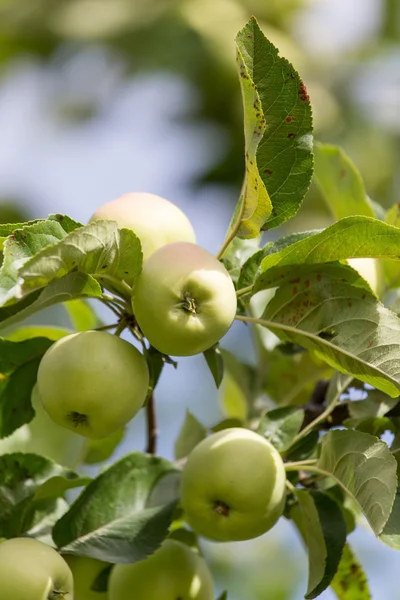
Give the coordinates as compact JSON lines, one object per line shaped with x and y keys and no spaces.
{"x":192,"y":433}
{"x":19,"y":362}
{"x":350,"y":582}
{"x":215,"y":363}
{"x":281,"y":425}
{"x":365,"y":468}
{"x":223,"y":596}
{"x":324,"y":531}
{"x":124,"y":514}
{"x":27,"y":483}
{"x":278,"y":131}
{"x":305,"y":448}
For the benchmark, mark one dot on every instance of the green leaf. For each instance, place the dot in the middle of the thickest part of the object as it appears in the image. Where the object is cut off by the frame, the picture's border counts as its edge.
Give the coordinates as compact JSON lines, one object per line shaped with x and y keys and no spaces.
{"x":365,"y":468}
{"x":215,"y":363}
{"x":324,"y":530}
{"x":27,"y":483}
{"x":392,"y":268}
{"x":376,"y":404}
{"x":22,"y":245}
{"x":278,"y":132}
{"x":255,"y":205}
{"x":239,"y":251}
{"x":281,"y":425}
{"x":223,"y":596}
{"x":73,"y":285}
{"x":226,"y":424}
{"x":351,"y":237}
{"x":192,"y":433}
{"x":35,"y":331}
{"x":81,"y":315}
{"x":350,"y":582}
{"x":340,"y":182}
{"x":46,"y":515}
{"x":99,"y":249}
{"x":391,"y":532}
{"x":124,"y":514}
{"x":374,"y":425}
{"x":344,"y":324}
{"x":290,"y":379}
{"x":100,"y":450}
{"x":238,"y":387}
{"x":251,"y":268}
{"x":19,"y":362}
{"x":305,"y":448}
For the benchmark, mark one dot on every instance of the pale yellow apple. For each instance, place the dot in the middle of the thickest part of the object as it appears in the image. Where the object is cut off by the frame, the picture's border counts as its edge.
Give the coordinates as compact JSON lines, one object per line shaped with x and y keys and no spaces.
{"x":184,"y":300}
{"x":155,"y":220}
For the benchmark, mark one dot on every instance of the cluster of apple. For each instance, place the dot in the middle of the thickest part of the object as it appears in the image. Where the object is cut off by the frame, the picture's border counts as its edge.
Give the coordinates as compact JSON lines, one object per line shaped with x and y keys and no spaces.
{"x":233,"y":482}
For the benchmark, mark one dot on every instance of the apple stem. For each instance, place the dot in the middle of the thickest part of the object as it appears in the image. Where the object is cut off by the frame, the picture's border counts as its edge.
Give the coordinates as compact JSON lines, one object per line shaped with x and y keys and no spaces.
{"x":152,"y":431}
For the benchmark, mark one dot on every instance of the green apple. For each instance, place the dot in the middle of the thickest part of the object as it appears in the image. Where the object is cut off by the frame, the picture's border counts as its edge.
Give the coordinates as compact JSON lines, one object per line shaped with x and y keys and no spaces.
{"x":92,"y":382}
{"x":173,"y":572}
{"x":155,"y":221}
{"x":184,"y":300}
{"x":370,"y":269}
{"x":85,"y":570}
{"x":31,"y":570}
{"x":233,"y":486}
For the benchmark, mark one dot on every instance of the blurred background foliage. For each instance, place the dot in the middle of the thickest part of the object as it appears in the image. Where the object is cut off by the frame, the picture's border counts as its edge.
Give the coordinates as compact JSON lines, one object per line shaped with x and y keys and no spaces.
{"x":81,"y":54}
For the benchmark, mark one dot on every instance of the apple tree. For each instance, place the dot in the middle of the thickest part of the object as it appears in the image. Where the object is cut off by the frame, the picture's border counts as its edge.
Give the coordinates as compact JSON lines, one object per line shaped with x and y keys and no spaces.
{"x":302,"y":437}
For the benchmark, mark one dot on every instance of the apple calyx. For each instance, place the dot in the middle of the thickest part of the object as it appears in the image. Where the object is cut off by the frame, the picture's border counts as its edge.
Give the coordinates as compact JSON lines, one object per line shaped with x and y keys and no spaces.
{"x":78,"y":419}
{"x":221,"y":508}
{"x":57,"y":595}
{"x":189,"y":303}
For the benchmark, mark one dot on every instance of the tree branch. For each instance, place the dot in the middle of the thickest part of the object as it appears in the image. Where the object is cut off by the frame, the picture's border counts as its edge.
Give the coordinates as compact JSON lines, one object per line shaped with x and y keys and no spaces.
{"x":152,"y":431}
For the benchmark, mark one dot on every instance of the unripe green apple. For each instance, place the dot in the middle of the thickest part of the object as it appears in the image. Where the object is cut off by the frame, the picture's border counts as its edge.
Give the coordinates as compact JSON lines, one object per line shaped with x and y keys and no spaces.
{"x":85,"y":570}
{"x":173,"y":572}
{"x":92,"y":382}
{"x":184,"y":300}
{"x":31,"y":570}
{"x":155,"y":221}
{"x":233,"y":486}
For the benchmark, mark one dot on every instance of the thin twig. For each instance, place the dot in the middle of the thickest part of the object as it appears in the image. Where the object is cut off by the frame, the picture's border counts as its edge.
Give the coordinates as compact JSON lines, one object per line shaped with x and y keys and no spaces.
{"x":106,"y":327}
{"x":120,"y":327}
{"x":152,"y":431}
{"x":231,"y":236}
{"x":243,"y":291}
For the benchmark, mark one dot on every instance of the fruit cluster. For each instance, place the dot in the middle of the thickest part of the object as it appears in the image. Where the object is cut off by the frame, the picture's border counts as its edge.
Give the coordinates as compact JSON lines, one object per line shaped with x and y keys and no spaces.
{"x":233,"y":483}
